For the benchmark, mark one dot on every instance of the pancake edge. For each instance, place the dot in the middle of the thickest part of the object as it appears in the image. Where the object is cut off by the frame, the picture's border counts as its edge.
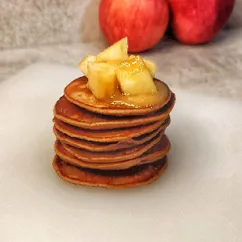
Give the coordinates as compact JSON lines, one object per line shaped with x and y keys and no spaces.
{"x":102,"y":138}
{"x":108,"y":186}
{"x":69,"y":141}
{"x":115,"y":165}
{"x":113,"y":159}
{"x":117,"y":112}
{"x":116,"y":124}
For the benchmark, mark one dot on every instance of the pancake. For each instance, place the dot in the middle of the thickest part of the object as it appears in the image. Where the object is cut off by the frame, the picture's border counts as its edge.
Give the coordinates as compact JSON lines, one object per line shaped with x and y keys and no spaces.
{"x":132,"y":177}
{"x":156,"y":152}
{"x":115,"y":155}
{"x":100,"y":147}
{"x":105,"y":135}
{"x":78,"y":93}
{"x":76,"y":116}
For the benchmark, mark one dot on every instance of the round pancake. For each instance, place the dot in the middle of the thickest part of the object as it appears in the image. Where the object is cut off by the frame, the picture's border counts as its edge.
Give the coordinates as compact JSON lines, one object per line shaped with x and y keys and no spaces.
{"x":155,"y":153}
{"x":76,"y":116}
{"x":115,"y":155}
{"x":132,"y":177}
{"x":78,"y":93}
{"x":105,"y":135}
{"x":99,"y":147}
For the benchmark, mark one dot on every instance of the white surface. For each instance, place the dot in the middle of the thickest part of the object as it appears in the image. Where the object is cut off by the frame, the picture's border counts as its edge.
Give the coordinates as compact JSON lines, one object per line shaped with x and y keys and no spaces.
{"x":198,"y":199}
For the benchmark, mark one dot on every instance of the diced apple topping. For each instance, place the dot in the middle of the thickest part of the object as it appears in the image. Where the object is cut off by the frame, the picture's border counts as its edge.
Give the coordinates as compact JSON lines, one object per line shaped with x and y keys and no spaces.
{"x":117,"y":51}
{"x":134,"y":77}
{"x":113,"y":68}
{"x":84,"y":63}
{"x":102,"y":79}
{"x":149,"y":64}
{"x":151,"y":67}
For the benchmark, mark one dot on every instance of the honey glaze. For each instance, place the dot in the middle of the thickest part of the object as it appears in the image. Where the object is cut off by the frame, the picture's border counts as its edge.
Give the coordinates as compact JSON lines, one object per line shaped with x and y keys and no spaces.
{"x":141,"y":101}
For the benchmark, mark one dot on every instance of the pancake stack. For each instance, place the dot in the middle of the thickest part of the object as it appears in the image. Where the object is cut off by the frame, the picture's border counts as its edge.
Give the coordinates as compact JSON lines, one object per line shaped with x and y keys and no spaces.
{"x":106,"y":145}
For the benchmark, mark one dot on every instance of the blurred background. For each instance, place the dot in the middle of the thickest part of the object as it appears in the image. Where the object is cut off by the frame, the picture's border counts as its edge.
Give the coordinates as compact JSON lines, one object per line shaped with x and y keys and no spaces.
{"x":62,"y":31}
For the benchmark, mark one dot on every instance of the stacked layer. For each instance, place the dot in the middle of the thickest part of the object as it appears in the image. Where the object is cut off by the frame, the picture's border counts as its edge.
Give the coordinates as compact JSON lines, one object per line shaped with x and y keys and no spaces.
{"x":102,"y":144}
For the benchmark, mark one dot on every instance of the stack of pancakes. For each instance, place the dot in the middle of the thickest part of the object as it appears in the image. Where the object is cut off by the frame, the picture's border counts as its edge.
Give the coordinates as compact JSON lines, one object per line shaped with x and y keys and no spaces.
{"x":114,"y":146}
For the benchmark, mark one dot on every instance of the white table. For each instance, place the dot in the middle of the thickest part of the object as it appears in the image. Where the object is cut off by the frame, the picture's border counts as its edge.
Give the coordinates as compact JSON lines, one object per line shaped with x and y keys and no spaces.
{"x":198,"y":199}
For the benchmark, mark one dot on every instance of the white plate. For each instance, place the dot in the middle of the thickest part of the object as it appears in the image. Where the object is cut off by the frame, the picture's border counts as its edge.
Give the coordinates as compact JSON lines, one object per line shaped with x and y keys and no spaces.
{"x":199,"y":197}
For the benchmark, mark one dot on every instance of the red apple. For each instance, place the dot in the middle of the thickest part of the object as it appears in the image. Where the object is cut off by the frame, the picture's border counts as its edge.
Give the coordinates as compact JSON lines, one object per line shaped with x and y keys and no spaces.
{"x":144,"y":22}
{"x":199,"y":21}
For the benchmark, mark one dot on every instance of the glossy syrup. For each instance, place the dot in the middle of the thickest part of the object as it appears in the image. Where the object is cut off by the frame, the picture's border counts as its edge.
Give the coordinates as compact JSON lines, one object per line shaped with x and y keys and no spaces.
{"x":79,"y":90}
{"x":140,"y":101}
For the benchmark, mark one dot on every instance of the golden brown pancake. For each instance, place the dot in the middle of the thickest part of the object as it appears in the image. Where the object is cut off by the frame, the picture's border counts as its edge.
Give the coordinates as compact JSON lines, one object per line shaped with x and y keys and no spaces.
{"x":135,"y":176}
{"x":115,"y":155}
{"x":105,"y":135}
{"x":76,"y":116}
{"x":100,"y":147}
{"x":118,"y":142}
{"x":78,"y":93}
{"x":155,"y":153}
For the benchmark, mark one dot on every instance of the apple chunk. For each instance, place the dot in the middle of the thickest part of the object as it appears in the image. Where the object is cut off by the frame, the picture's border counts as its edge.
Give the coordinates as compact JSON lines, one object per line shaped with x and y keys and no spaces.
{"x":84,"y":63}
{"x":117,"y":51}
{"x":151,"y":67}
{"x":134,"y":77}
{"x":149,"y":64}
{"x":102,"y":79}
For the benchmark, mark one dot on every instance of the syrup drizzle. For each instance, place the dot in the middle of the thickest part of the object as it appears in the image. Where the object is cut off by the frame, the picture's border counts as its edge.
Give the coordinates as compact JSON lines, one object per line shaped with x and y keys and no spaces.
{"x":140,"y":101}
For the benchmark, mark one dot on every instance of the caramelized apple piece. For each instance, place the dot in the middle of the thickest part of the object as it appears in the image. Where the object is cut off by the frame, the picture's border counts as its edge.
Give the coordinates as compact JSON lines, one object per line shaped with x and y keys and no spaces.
{"x":149,"y":64}
{"x":102,"y":79}
{"x":115,"y":64}
{"x":134,"y":77}
{"x":151,"y":67}
{"x":117,"y":51}
{"x":84,"y":63}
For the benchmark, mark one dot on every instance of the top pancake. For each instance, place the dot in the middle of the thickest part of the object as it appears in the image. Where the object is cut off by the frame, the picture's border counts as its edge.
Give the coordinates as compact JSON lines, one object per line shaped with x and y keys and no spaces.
{"x":79,"y":117}
{"x":78,"y":93}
